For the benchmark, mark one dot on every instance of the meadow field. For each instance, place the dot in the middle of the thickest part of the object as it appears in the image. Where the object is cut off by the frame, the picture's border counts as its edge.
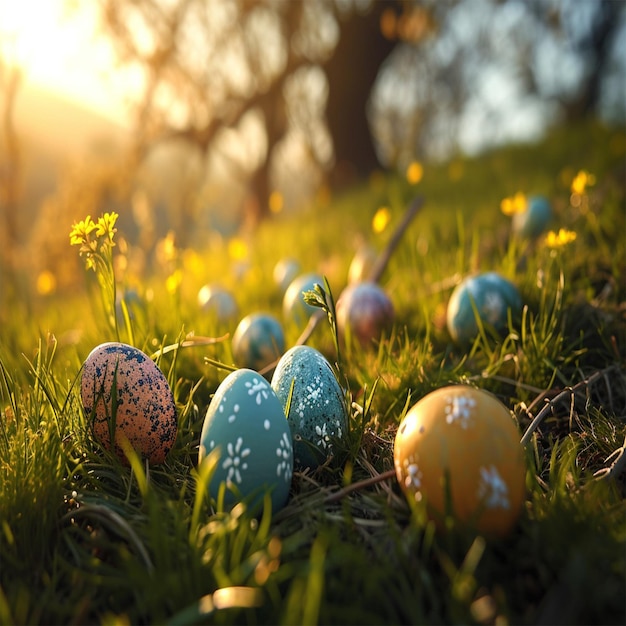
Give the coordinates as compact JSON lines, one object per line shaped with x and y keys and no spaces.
{"x":86,"y":538}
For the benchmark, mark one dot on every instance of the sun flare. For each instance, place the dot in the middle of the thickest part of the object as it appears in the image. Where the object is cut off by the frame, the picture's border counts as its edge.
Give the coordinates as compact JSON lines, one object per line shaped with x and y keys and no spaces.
{"x":54,"y":44}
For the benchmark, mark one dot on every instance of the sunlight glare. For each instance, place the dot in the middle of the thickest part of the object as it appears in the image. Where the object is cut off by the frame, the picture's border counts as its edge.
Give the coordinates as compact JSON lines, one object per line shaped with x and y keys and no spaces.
{"x":55,"y":45}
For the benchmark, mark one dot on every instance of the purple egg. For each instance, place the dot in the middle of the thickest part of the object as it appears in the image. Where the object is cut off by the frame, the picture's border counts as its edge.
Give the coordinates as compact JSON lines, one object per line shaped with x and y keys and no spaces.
{"x":365,"y":313}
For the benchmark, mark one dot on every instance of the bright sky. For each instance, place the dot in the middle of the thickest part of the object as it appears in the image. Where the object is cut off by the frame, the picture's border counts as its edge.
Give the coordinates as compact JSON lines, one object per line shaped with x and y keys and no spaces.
{"x":57,"y":49}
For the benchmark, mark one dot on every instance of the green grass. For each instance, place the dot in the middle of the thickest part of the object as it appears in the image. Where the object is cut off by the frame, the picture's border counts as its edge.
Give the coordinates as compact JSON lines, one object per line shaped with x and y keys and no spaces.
{"x":86,"y":539}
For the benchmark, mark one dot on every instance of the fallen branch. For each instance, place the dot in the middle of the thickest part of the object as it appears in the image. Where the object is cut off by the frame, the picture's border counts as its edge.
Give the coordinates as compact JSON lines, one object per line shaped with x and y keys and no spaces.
{"x":361,"y":484}
{"x":568,"y":392}
{"x":383,"y":259}
{"x":617,"y":467}
{"x":379,"y":267}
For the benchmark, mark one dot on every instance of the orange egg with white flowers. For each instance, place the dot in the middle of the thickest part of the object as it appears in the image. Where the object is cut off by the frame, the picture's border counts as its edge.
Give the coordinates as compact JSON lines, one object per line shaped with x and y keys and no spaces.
{"x":458,"y":450}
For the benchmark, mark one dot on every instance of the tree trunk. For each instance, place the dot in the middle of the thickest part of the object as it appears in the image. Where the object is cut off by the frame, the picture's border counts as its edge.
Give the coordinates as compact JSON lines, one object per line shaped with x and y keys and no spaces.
{"x":351,"y":72}
{"x":596,"y":46}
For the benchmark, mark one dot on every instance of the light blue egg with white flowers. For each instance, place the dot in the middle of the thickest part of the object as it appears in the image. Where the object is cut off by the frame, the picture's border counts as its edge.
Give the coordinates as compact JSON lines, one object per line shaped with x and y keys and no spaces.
{"x":246,"y":422}
{"x":488,"y":297}
{"x":317,"y":406}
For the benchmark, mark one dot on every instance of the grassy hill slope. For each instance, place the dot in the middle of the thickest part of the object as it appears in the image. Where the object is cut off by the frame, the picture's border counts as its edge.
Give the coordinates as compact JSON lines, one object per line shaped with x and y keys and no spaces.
{"x":85,"y":538}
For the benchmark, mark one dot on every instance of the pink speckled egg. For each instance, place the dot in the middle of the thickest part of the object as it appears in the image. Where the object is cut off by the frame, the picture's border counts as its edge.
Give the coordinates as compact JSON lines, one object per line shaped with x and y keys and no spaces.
{"x":125,"y":395}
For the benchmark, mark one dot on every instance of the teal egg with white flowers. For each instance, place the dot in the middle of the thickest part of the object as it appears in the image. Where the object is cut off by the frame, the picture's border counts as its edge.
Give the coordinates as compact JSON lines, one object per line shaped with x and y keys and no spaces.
{"x":306,"y":385}
{"x":489,"y":298}
{"x":245,"y":421}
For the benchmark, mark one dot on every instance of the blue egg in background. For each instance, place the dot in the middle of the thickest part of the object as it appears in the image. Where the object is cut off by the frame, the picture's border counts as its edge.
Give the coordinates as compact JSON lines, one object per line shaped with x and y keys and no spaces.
{"x":285,"y":271}
{"x":295,"y":309}
{"x":218,"y":303}
{"x":535,"y":219}
{"x":488,"y":295}
{"x":258,"y":341}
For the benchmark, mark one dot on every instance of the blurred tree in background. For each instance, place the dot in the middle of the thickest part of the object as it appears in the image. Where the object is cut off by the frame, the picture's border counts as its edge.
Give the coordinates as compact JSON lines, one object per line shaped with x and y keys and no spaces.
{"x":267,"y":90}
{"x":495,"y":71}
{"x":272,"y":90}
{"x":248,"y":106}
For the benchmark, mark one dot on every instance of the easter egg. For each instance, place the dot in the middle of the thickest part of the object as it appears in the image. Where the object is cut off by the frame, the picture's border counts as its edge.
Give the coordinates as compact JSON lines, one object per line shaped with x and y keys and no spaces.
{"x":258,"y":341}
{"x":459,"y":448}
{"x":362,"y":264}
{"x":285,"y":271}
{"x":364,"y":313}
{"x":125,"y":395}
{"x":246,"y":422}
{"x":317,"y":406}
{"x":295,"y":309}
{"x":218,"y":303}
{"x":488,"y":296}
{"x":535,"y":219}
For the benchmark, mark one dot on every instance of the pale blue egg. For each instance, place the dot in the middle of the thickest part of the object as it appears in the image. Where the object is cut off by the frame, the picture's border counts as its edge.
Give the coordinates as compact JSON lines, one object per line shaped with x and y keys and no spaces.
{"x":285,"y":271}
{"x":218,"y":303}
{"x":488,"y":296}
{"x":246,"y":423}
{"x":258,"y":341}
{"x":318,"y":412}
{"x":295,"y":309}
{"x":535,"y":219}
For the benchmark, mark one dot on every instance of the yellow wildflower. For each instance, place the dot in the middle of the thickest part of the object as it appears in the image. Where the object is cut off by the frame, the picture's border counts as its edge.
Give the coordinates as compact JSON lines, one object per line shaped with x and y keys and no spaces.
{"x":46,"y":283}
{"x":414,"y":172}
{"x":276,"y":202}
{"x":94,"y":246}
{"x":381,"y":219}
{"x":173,"y":281}
{"x":514,"y":204}
{"x":81,"y":230}
{"x":581,"y":181}
{"x":192,"y":262}
{"x":166,"y":248}
{"x":106,"y":226}
{"x":237,"y":249}
{"x":560,"y":239}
